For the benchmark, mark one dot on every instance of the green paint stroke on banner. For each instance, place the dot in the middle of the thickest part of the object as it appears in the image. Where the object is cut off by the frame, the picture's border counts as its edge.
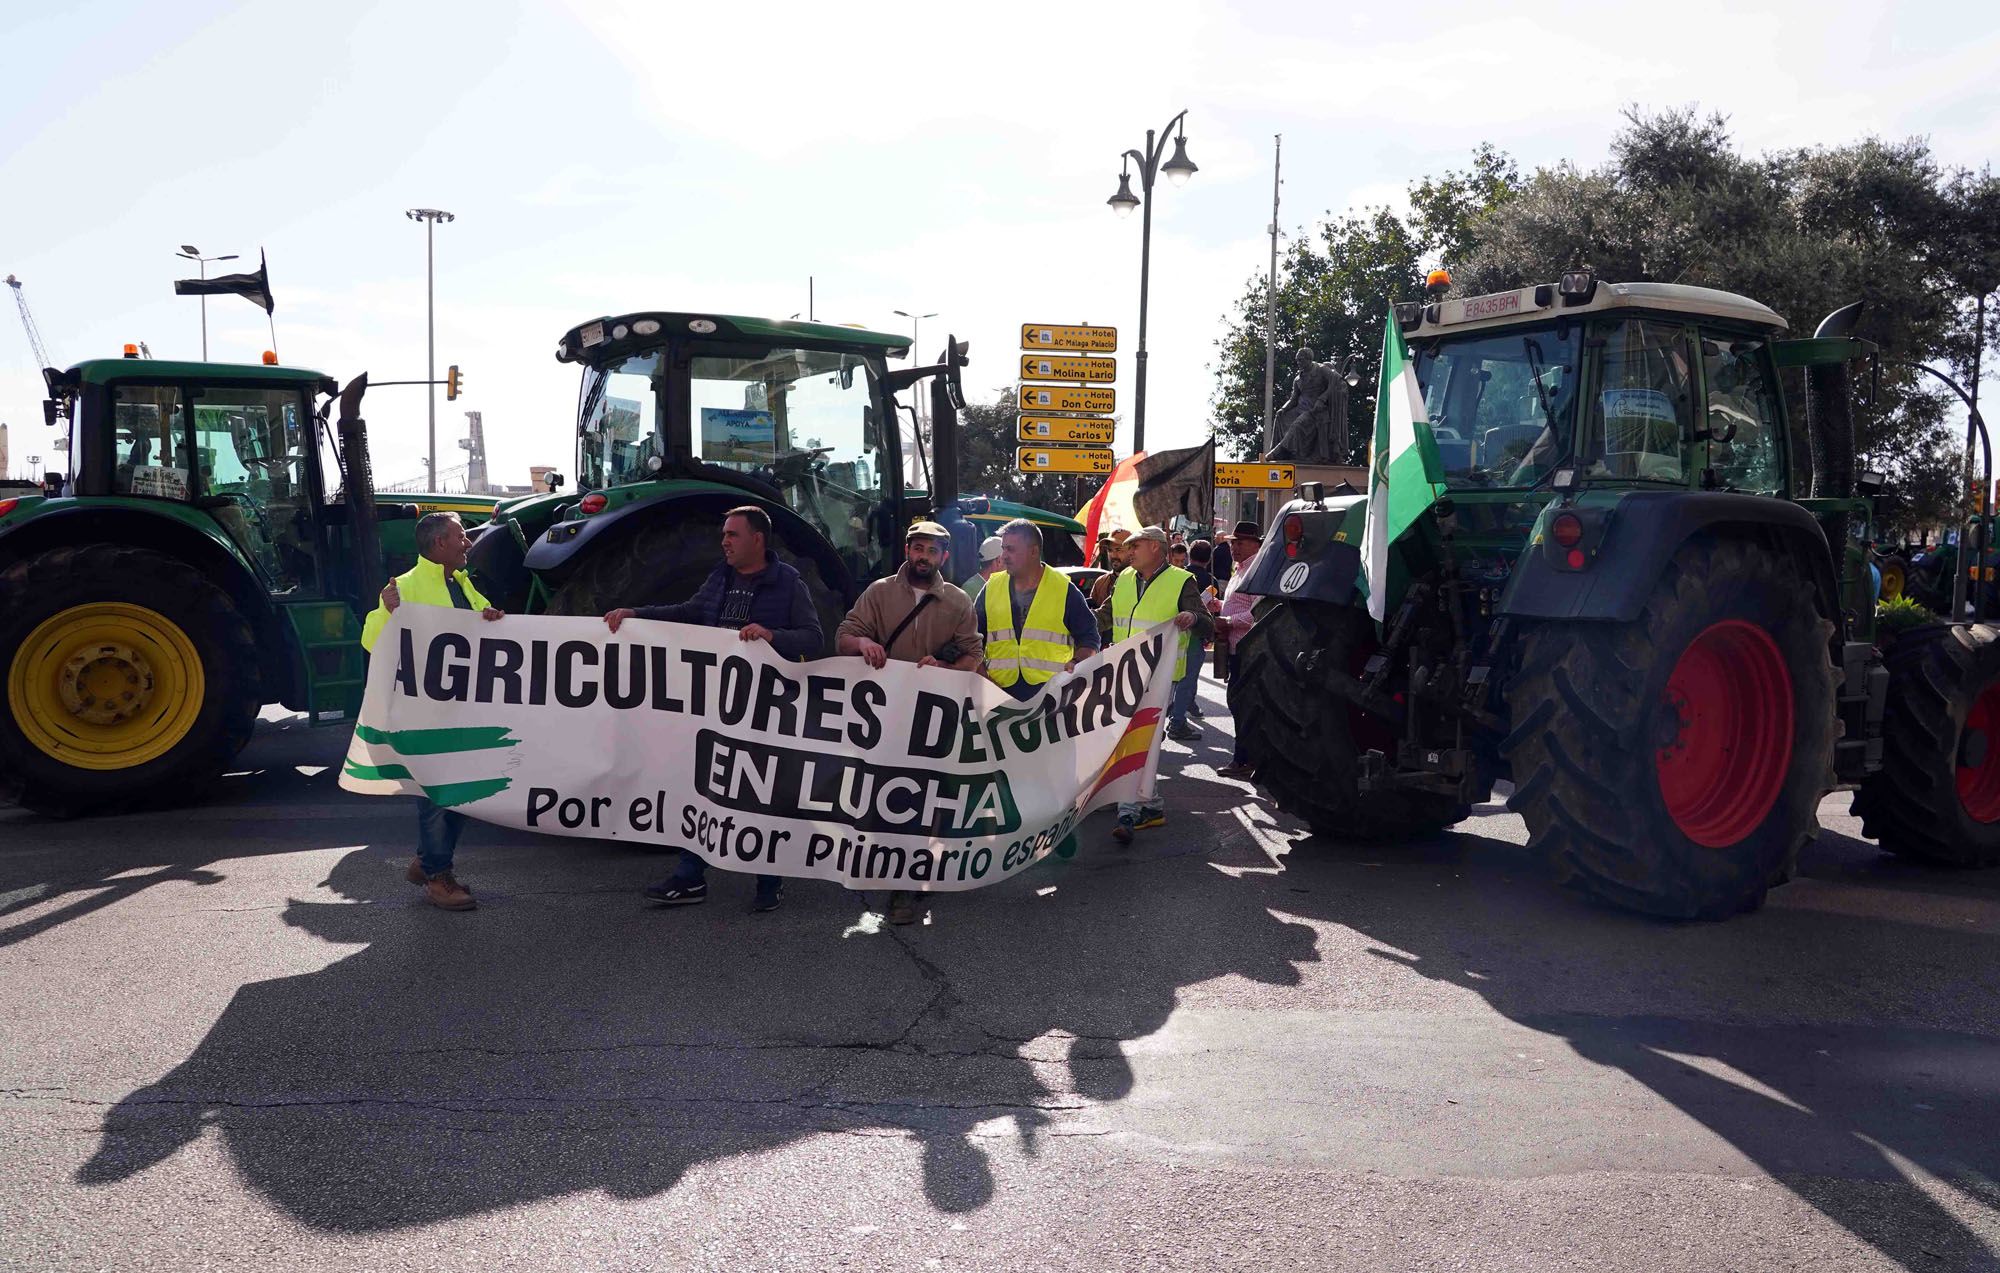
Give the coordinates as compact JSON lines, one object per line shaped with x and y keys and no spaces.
{"x":444,"y":794}
{"x":449,"y":794}
{"x":376,"y":772}
{"x":433,"y":742}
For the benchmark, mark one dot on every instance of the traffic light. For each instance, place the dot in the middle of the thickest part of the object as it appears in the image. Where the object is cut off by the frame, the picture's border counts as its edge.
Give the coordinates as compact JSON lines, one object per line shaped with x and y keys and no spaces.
{"x":451,"y":383}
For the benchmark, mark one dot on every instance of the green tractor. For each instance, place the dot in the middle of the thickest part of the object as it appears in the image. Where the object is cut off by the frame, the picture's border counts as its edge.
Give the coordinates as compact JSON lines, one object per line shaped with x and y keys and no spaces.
{"x":199,"y":566}
{"x":220,"y":539}
{"x":1644,"y":598}
{"x":681,"y":416}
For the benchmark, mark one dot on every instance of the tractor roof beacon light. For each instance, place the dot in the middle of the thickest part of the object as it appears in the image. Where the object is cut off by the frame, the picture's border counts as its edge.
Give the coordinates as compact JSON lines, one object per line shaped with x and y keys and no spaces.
{"x":1576,"y":287}
{"x":131,"y":351}
{"x":270,"y":358}
{"x":1437,"y":282}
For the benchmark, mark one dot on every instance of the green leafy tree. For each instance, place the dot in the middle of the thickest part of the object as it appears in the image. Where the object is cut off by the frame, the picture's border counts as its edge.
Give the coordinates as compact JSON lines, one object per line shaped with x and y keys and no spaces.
{"x":1805,"y":230}
{"x":1334,"y":290}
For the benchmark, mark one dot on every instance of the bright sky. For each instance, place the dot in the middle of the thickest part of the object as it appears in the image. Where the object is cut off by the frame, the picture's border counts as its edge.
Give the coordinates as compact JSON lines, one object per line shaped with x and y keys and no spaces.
{"x":619,"y":155}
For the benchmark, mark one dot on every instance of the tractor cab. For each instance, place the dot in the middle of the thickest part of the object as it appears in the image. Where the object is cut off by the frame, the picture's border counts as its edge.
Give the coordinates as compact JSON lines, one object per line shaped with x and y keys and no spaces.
{"x":800,"y":411}
{"x":230,"y":450}
{"x":1630,"y":384}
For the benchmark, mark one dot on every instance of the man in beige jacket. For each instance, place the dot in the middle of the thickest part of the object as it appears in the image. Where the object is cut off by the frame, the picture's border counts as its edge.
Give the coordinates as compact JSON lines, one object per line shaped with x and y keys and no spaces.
{"x":914,"y":616}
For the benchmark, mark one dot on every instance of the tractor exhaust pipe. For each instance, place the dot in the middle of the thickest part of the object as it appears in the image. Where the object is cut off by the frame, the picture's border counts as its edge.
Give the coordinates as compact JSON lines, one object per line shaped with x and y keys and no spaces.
{"x":357,"y":480}
{"x":1829,"y":410}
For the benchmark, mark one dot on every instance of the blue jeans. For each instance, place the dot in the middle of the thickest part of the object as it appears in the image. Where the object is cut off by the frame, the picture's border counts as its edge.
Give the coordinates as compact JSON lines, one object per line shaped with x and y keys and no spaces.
{"x":1184,"y":690}
{"x":693,"y":869}
{"x":1236,"y":756}
{"x":437,"y":836}
{"x":1140,"y":810}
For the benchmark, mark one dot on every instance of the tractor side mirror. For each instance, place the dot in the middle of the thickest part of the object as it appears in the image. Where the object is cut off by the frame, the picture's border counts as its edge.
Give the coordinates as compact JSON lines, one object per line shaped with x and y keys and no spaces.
{"x":50,"y":414}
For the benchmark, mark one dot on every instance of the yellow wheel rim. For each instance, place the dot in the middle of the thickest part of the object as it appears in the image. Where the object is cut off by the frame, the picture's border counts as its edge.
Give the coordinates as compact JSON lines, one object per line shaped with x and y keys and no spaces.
{"x":1892,"y":582}
{"x":106,"y":685}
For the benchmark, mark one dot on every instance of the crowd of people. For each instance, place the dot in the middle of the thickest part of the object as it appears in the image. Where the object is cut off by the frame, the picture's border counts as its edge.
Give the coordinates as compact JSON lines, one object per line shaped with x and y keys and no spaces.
{"x":1019,"y":622}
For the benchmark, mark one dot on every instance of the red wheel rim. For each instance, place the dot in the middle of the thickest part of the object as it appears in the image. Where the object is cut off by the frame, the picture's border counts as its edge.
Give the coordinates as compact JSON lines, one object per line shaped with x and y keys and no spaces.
{"x":1730,"y":696}
{"x":1978,"y":774}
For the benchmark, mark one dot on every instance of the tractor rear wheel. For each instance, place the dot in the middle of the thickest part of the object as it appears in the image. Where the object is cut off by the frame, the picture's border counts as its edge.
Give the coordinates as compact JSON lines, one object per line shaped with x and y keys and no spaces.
{"x":1895,"y":577}
{"x":1305,"y":742}
{"x":1937,"y":795}
{"x":1674,"y":764}
{"x":665,"y":561}
{"x":130,"y":680}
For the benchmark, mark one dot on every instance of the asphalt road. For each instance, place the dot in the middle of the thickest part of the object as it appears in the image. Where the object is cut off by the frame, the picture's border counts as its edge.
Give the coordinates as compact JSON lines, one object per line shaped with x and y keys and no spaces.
{"x":232,"y":1036}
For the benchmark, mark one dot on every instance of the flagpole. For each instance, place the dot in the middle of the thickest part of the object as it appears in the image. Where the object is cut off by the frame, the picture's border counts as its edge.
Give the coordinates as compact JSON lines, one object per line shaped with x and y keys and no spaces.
{"x":274,"y":333}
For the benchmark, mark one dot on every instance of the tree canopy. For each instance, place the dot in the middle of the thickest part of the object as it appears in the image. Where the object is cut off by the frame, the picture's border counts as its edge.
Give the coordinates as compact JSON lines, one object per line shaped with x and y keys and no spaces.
{"x":1804,"y":231}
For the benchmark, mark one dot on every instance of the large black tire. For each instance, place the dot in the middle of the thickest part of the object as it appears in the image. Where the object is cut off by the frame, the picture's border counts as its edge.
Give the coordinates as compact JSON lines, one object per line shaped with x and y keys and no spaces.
{"x":665,"y":561}
{"x":1305,"y":743}
{"x":1895,"y":576}
{"x":1607,"y":717}
{"x":62,"y":582}
{"x":1937,"y":795}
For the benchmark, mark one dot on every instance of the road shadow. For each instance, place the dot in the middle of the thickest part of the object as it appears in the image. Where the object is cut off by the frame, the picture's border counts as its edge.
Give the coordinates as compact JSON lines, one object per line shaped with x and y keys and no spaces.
{"x":556,"y":1042}
{"x":1842,"y":1039}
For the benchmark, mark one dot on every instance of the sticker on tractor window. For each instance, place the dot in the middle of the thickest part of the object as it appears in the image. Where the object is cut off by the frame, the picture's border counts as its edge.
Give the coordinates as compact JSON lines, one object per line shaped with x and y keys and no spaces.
{"x":733,"y":436}
{"x":149,"y":479}
{"x":1294,"y":577}
{"x":1638,"y":404}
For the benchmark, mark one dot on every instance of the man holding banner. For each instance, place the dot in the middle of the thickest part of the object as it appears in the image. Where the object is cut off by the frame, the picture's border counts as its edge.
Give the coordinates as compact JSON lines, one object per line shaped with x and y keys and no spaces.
{"x":438,"y":579}
{"x":1151,"y":592}
{"x":914,"y":616}
{"x":763,"y":599}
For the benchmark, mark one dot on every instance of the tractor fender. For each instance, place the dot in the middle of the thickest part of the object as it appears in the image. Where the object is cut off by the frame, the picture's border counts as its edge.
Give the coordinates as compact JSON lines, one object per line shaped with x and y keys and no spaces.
{"x":1628,"y":541}
{"x":552,"y":553}
{"x":75,"y":523}
{"x":1328,"y":559}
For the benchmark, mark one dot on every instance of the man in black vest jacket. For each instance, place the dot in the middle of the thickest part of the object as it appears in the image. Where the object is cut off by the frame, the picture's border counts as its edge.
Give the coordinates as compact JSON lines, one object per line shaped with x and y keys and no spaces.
{"x":764,"y":599}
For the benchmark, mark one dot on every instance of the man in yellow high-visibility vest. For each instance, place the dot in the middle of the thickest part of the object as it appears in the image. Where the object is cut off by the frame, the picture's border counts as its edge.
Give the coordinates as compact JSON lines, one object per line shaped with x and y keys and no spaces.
{"x":1035,"y":622}
{"x":1035,"y":625}
{"x":1154,"y":592}
{"x":438,"y":579}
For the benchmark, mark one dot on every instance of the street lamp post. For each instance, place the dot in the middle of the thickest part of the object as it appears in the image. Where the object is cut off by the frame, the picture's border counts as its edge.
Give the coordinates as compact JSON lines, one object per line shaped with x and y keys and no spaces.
{"x":192,"y":253}
{"x":1178,"y":170}
{"x":430,"y":217}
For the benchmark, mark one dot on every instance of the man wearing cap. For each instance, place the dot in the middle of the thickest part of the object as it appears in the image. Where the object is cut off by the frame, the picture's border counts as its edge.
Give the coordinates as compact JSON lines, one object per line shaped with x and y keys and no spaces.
{"x":1118,"y":557}
{"x":1233,"y":621}
{"x":1154,"y":592}
{"x":914,"y":616}
{"x":989,"y":565}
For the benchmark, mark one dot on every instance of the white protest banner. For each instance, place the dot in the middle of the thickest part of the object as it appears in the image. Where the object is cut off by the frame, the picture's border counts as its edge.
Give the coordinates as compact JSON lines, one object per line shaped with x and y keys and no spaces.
{"x":907,"y":777}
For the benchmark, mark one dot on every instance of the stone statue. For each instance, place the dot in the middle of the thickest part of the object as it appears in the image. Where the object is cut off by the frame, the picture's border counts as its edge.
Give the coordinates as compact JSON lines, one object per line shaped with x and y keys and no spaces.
{"x":1312,"y":425}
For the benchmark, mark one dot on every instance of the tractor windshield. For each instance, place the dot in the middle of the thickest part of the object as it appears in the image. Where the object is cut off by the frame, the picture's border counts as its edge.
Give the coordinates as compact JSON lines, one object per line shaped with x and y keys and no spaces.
{"x":1502,"y":403}
{"x":804,"y":420}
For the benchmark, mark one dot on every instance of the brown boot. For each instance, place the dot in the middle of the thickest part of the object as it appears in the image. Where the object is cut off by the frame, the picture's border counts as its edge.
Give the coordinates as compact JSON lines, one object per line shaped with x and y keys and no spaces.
{"x":415,"y":874}
{"x":446,"y":893}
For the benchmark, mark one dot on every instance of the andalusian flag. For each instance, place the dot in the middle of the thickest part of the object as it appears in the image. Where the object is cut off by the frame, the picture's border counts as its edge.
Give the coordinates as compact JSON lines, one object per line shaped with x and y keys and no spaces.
{"x":1405,"y":475}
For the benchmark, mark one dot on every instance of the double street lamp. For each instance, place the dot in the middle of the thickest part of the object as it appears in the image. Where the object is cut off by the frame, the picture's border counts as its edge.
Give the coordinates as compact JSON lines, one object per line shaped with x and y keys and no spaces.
{"x":430,"y":217}
{"x":1178,"y":169}
{"x":193,"y":253}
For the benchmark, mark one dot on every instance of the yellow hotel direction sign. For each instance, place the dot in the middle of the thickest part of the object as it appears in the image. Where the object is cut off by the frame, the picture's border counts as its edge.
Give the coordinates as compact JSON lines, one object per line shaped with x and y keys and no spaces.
{"x":1064,"y":459}
{"x":1067,"y":429}
{"x":1089,"y":399}
{"x":1255,"y":477}
{"x":1090,"y":340}
{"x":1058,"y":367}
